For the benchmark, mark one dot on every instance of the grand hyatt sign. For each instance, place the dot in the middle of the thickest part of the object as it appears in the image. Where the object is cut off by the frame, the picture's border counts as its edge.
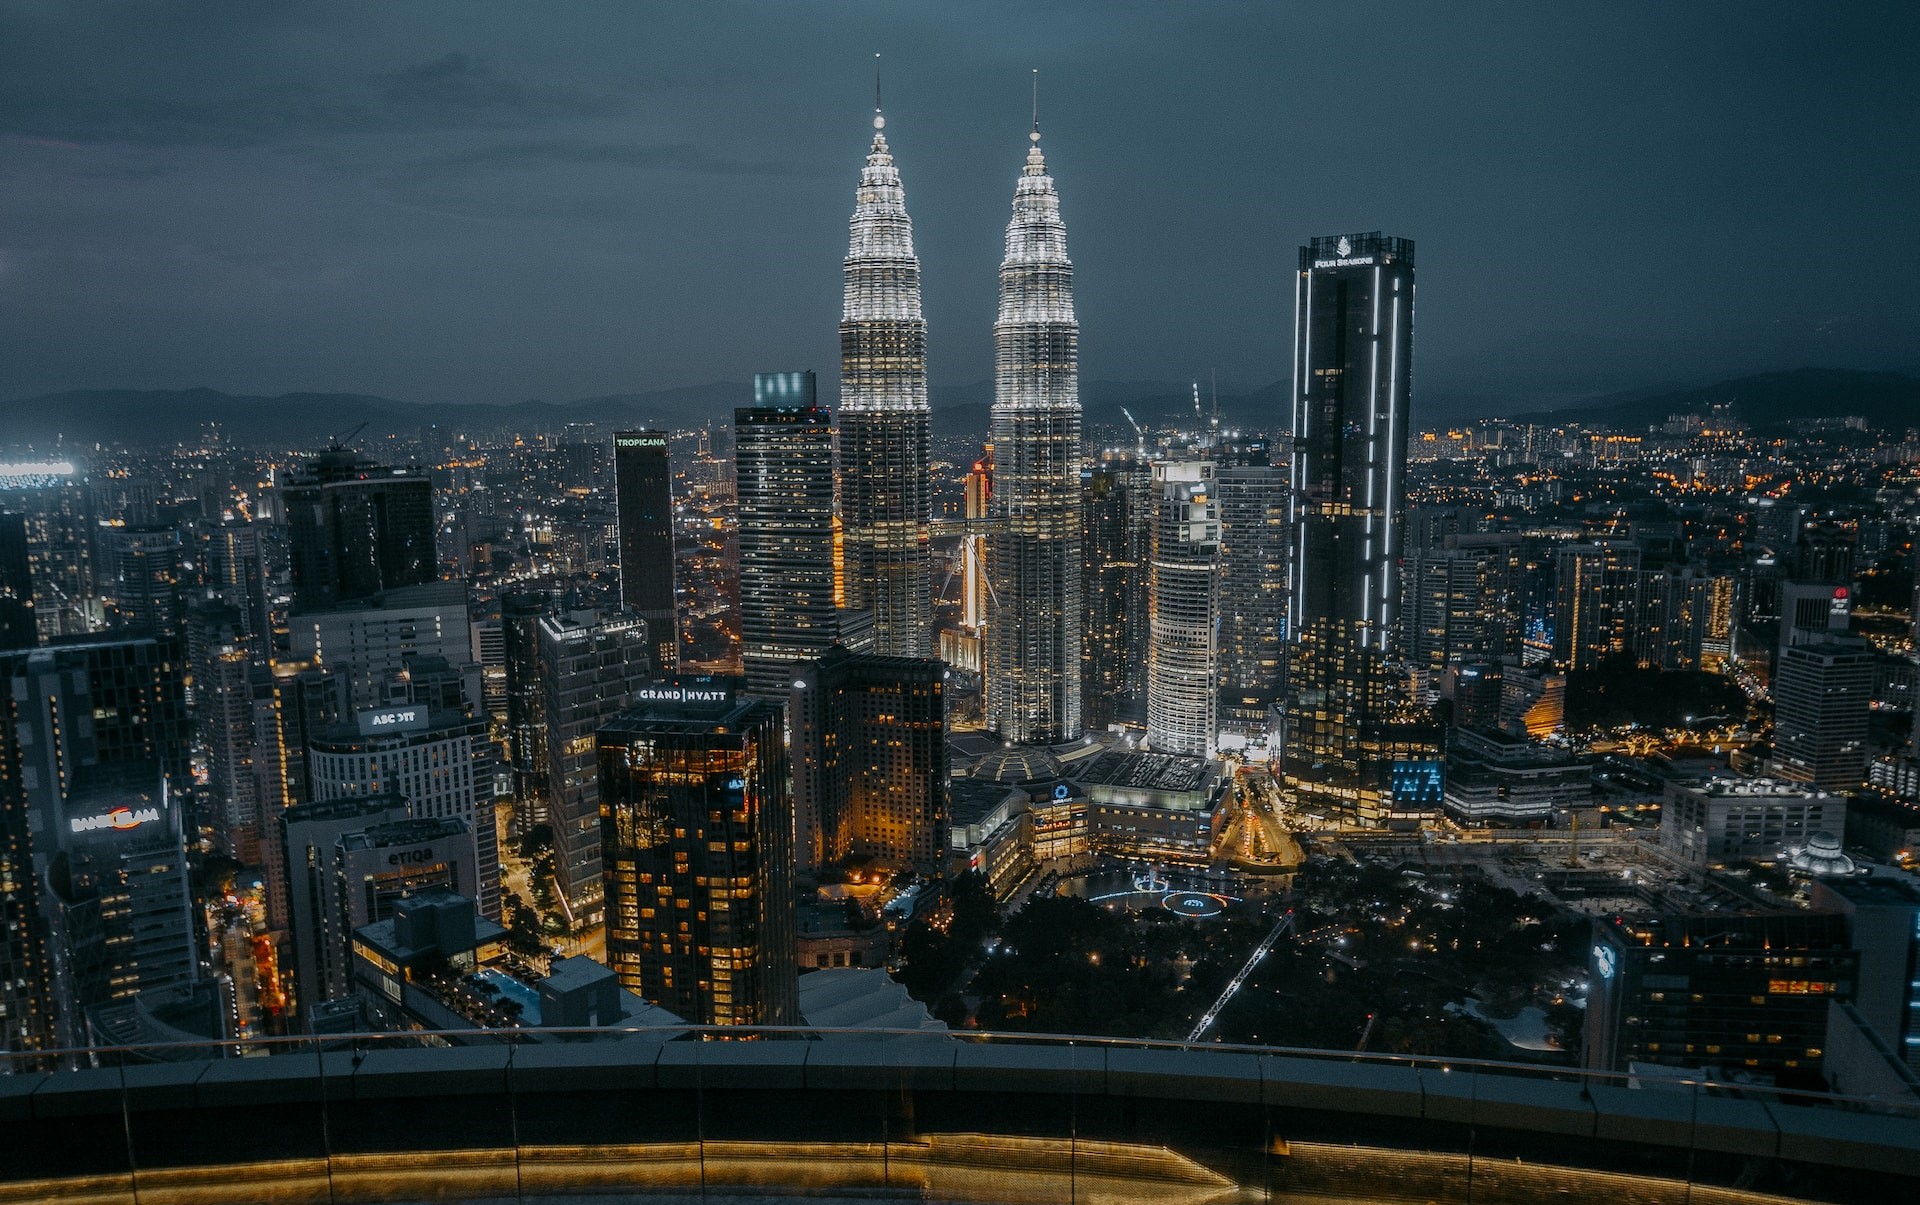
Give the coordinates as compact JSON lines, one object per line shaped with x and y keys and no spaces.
{"x":682,"y":694}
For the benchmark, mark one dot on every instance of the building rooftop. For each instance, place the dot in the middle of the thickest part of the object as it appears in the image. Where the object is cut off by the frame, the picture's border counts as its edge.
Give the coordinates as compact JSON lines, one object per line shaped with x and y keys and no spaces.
{"x":1149,"y":771}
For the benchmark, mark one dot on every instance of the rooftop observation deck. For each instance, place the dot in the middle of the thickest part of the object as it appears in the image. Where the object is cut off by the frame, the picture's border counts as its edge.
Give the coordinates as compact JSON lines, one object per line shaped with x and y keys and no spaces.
{"x":902,"y":1115}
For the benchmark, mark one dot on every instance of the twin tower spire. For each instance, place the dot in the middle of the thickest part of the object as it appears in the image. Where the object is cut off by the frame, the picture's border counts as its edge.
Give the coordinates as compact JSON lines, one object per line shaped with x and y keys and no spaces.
{"x":1033,"y":638}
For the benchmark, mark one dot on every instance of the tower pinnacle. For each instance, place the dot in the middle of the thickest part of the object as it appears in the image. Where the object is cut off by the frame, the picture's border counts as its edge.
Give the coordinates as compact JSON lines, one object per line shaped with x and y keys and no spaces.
{"x":879,"y":120}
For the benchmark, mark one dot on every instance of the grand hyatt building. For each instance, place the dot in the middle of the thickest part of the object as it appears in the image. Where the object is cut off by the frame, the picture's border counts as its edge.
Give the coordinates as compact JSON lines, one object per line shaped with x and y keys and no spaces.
{"x":696,"y":828}
{"x":1352,"y":745}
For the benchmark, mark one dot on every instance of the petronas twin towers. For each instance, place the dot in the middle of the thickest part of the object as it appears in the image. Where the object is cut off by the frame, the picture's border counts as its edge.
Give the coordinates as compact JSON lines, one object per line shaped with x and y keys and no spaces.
{"x":1033,"y":547}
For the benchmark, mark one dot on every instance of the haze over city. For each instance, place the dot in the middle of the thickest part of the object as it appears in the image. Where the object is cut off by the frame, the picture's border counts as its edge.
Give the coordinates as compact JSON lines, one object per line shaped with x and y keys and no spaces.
{"x":488,"y":202}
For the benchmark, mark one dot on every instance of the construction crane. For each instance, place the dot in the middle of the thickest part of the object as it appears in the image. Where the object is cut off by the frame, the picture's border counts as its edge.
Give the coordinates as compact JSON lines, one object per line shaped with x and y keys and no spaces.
{"x":340,"y":443}
{"x":1139,"y":436}
{"x":1260,"y":951}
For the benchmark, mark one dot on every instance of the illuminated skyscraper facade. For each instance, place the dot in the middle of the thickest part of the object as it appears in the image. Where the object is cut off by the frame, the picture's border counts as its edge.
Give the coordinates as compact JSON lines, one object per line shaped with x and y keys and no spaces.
{"x":697,"y":831}
{"x":783,"y":460}
{"x":1252,"y":490}
{"x":1351,"y":734}
{"x":1109,"y":580}
{"x":886,"y":490}
{"x":1183,"y":652}
{"x":1033,"y":553}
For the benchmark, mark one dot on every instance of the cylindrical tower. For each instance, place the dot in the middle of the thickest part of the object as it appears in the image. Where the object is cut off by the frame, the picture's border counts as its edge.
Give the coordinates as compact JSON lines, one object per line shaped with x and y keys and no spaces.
{"x":1033,"y":554}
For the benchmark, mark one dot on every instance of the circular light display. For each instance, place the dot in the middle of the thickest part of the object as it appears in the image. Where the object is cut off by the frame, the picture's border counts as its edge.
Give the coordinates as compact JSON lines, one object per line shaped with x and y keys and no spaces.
{"x":1193,"y":904}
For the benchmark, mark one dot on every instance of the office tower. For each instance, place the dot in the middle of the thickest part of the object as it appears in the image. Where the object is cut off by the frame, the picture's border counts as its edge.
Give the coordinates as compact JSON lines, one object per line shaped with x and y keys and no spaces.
{"x":698,"y":833}
{"x":1183,"y":652}
{"x":886,"y":489}
{"x":1110,"y":575}
{"x":220,"y":657}
{"x":1596,"y":589}
{"x":75,"y":720}
{"x":1822,"y":700}
{"x":1348,"y":719}
{"x":1731,"y":993}
{"x":436,"y":758}
{"x":363,"y":641}
{"x":526,"y":726}
{"x":118,"y":904}
{"x":1461,"y":599}
{"x":1883,"y":924}
{"x":870,"y":761}
{"x":356,"y":528}
{"x":590,"y":667}
{"x":52,"y":499}
{"x":235,"y":564}
{"x":1813,"y":611}
{"x":307,"y":835}
{"x":643,"y":492}
{"x":783,"y":457}
{"x":17,"y":628}
{"x":1033,"y":552}
{"x":141,"y":577}
{"x":1252,"y":493}
{"x":1915,"y":637}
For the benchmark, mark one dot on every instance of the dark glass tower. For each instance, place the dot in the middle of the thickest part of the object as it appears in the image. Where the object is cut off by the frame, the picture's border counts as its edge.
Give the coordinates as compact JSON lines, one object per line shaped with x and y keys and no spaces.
{"x":643,"y":490}
{"x":356,"y":529}
{"x":783,"y":460}
{"x":697,"y":837}
{"x":1110,"y":576}
{"x":1348,"y":721}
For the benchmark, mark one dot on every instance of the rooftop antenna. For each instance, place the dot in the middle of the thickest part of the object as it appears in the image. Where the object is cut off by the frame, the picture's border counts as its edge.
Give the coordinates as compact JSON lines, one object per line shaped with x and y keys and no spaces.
{"x":1214,"y":385}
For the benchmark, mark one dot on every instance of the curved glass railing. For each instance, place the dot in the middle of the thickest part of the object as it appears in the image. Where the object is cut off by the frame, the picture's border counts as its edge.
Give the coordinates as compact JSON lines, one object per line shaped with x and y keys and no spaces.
{"x":657,"y":1114}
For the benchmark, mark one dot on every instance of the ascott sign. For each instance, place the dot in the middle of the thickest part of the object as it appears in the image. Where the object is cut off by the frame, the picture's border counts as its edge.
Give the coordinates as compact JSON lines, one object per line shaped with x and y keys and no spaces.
{"x":117,"y":818}
{"x":392,"y":719}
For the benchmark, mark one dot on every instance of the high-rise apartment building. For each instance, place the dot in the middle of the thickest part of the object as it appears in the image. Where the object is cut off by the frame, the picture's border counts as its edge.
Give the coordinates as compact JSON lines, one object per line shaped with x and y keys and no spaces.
{"x":783,"y":458}
{"x":220,"y":657}
{"x":356,"y":528}
{"x":142,"y":575}
{"x":697,"y":828}
{"x":307,"y":835}
{"x":1111,"y":573}
{"x":1596,"y":589}
{"x":886,"y":488}
{"x":869,"y":753}
{"x":1253,"y":496}
{"x":438,"y":759}
{"x":364,"y":641}
{"x":1822,"y":702}
{"x":590,"y":667}
{"x":54,"y":503}
{"x":643,"y":488}
{"x":1183,"y":652}
{"x":520,"y":616}
{"x":93,"y":736}
{"x":17,"y":628}
{"x":1461,"y":600}
{"x":1034,"y":631}
{"x":1349,"y":724}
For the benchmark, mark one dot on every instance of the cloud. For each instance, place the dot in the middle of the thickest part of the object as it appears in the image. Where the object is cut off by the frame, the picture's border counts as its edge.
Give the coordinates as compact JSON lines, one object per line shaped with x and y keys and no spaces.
{"x":673,"y":156}
{"x":453,"y":92}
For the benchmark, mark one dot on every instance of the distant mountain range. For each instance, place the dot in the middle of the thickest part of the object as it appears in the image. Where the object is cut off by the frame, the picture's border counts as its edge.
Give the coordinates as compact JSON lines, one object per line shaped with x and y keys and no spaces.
{"x":158,"y":417}
{"x":1887,"y":400}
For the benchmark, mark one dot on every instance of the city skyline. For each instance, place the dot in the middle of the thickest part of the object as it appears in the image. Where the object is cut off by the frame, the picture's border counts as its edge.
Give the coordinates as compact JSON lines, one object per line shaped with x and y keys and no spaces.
{"x":515,"y":153}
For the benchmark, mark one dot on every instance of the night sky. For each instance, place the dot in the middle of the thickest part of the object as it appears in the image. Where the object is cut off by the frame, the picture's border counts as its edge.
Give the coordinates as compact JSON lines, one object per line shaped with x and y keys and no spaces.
{"x":493,"y":202}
